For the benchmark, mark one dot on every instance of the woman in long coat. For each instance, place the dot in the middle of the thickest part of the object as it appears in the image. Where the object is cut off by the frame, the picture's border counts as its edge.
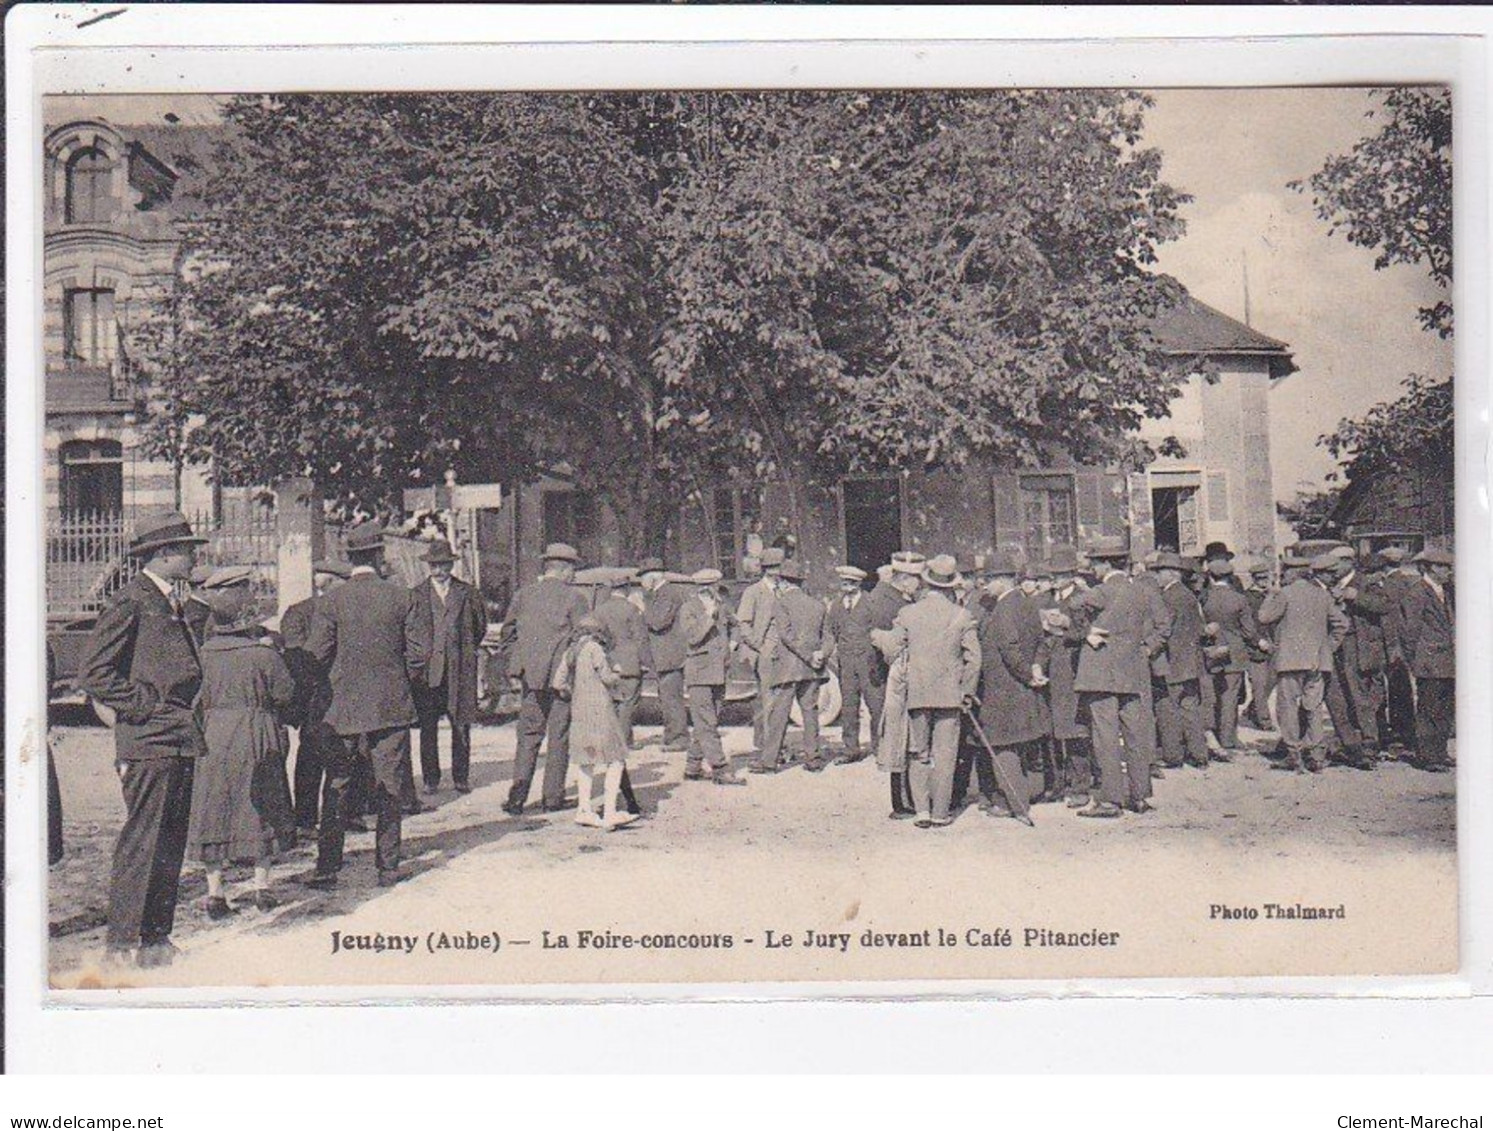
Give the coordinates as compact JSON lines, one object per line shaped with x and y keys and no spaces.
{"x":241,"y":805}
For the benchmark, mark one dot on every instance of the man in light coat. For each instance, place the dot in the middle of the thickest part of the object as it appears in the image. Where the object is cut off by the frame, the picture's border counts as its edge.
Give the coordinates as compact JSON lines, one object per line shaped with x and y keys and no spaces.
{"x":539,"y":627}
{"x":942,"y":646}
{"x":795,"y":663}
{"x":753,"y":615}
{"x":1114,"y":681}
{"x":1309,"y":626}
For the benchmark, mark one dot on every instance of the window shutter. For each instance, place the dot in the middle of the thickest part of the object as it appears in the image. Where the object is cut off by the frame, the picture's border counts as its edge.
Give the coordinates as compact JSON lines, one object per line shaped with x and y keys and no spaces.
{"x":1010,"y":527}
{"x":1113,"y":498}
{"x":1141,"y":521}
{"x":1087,"y":486}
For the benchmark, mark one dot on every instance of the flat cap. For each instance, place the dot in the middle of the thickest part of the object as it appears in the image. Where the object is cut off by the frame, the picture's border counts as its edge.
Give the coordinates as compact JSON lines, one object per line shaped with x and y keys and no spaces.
{"x":1343,"y":553}
{"x":1394,"y":554}
{"x":793,"y":570}
{"x":707,"y":577}
{"x":336,"y":569}
{"x":1323,"y":562}
{"x":1434,"y":557}
{"x":850,"y":573}
{"x":366,"y":536}
{"x":561,"y":552}
{"x":226,"y":577}
{"x":1167,"y":560}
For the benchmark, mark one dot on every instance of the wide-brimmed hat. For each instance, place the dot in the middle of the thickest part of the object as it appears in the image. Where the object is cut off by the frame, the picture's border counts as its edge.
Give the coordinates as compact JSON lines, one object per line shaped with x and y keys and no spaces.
{"x":228,"y":577}
{"x":365,"y":536}
{"x":941,"y":572}
{"x":1217,"y":550}
{"x":440,"y":553}
{"x":850,"y":573}
{"x":161,"y":529}
{"x":706,"y":577}
{"x":650,"y":565}
{"x":560,"y":552}
{"x":793,"y":570}
{"x":1434,"y":557}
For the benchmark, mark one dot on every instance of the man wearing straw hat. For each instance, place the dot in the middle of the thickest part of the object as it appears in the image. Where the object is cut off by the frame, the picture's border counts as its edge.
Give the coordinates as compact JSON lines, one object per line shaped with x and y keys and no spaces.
{"x":539,"y":627}
{"x":453,"y":620}
{"x":142,"y":665}
{"x":368,"y":632}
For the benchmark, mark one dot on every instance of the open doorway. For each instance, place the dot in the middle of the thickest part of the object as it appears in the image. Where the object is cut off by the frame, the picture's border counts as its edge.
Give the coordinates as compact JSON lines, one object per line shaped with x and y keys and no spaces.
{"x":871,"y":510}
{"x":1174,"y":510}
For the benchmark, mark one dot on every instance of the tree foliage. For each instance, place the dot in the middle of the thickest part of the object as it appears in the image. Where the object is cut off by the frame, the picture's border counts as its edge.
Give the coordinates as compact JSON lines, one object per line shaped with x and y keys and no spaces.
{"x":655,"y":288}
{"x":1393,"y":191}
{"x":1414,"y":428}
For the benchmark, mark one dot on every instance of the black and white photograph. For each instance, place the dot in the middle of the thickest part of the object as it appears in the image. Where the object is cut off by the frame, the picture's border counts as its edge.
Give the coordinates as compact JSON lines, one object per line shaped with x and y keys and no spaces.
{"x":504,"y":538}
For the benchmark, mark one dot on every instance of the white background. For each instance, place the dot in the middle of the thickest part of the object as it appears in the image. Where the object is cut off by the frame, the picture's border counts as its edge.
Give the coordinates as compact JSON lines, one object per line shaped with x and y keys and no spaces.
{"x":1153,"y":1027}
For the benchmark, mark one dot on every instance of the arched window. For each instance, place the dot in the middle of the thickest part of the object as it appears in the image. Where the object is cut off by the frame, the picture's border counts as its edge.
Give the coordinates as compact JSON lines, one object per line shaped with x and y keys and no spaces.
{"x":91,"y":479}
{"x":90,"y":187}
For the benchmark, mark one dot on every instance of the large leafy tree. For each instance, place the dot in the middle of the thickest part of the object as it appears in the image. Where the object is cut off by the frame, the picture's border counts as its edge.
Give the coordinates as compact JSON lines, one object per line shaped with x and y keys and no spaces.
{"x":660,"y":288}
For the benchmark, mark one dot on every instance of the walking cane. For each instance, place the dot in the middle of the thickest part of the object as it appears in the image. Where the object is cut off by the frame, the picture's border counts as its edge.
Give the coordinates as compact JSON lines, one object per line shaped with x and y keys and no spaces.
{"x":1003,"y":780}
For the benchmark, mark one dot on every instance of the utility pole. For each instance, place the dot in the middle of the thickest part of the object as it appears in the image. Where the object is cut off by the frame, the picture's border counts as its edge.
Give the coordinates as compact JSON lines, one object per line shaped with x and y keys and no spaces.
{"x":1244,"y":259}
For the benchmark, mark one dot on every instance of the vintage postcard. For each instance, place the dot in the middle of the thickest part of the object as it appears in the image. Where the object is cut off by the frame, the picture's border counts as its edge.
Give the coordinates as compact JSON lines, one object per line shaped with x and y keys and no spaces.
{"x":618,"y":538}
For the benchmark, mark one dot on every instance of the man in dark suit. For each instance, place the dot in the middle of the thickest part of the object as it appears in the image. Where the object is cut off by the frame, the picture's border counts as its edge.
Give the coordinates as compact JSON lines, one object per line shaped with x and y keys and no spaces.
{"x":621,"y":614}
{"x":1258,"y":671}
{"x":141,"y":664}
{"x":1428,"y":629}
{"x":1179,"y":713}
{"x":1399,"y":579}
{"x":313,"y":696}
{"x":538,"y":628}
{"x":854,"y":658}
{"x":453,"y":620}
{"x":1352,"y":693}
{"x":367,"y":632}
{"x":661,"y":601}
{"x":1232,"y":627}
{"x":1114,"y":681}
{"x":1309,"y":628}
{"x":1013,"y":711}
{"x":795,"y":667}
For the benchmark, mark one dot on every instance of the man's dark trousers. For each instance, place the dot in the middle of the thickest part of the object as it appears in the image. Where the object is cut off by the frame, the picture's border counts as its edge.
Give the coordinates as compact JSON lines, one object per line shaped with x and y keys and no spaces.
{"x":385,"y":751}
{"x":1228,"y":688}
{"x":312,"y":784}
{"x":1435,"y":718}
{"x":543,"y":714}
{"x":149,"y":852}
{"x":430,"y":705}
{"x":672,"y":705}
{"x":856,"y":685}
{"x":1353,"y":706}
{"x":1179,"y":722}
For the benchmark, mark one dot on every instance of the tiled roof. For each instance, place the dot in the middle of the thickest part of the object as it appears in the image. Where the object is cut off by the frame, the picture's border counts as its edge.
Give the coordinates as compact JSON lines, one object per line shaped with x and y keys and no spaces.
{"x":1194,"y":327}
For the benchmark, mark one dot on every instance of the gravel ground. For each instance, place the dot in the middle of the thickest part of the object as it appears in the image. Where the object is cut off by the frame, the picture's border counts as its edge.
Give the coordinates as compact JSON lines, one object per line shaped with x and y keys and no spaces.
{"x":799,"y":854}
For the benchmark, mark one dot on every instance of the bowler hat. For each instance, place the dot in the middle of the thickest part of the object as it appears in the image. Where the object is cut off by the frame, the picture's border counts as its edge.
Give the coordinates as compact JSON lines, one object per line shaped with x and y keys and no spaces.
{"x":1218,"y":550}
{"x":707,"y":577}
{"x":164,"y":528}
{"x":850,"y":573}
{"x":561,"y":552}
{"x":228,"y":577}
{"x":365,"y":536}
{"x":1434,"y":557}
{"x":650,"y":565}
{"x":440,"y":552}
{"x":793,"y":570}
{"x":1220,"y":567}
{"x":941,"y":572}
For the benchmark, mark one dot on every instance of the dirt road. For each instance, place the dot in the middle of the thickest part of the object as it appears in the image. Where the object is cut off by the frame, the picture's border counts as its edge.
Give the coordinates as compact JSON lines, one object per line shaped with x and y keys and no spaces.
{"x":713,"y":883}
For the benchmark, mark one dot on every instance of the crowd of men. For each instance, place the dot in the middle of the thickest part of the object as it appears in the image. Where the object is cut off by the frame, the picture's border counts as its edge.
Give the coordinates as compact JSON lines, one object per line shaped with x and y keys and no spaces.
{"x":1078,"y":680}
